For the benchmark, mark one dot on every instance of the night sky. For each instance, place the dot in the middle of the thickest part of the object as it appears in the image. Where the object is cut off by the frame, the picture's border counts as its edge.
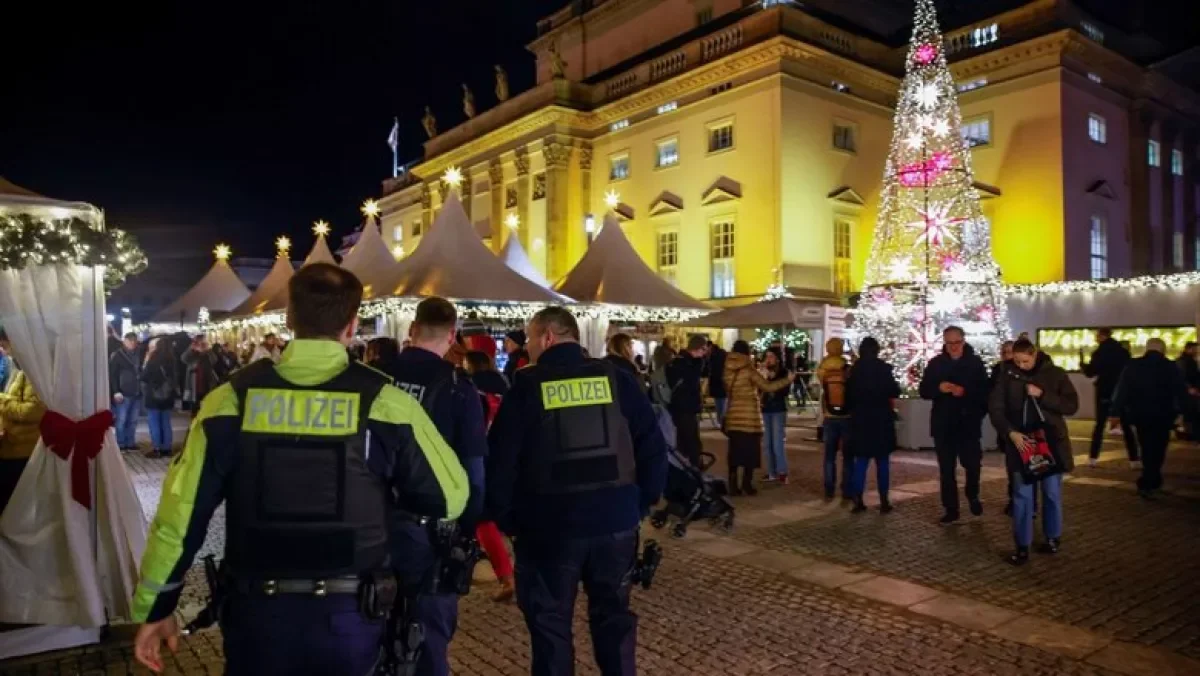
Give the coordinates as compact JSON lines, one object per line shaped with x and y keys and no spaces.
{"x":245,"y":119}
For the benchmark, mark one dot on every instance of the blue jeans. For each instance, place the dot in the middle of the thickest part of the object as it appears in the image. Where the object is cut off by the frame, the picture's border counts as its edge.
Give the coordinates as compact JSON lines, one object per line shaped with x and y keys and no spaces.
{"x":883,"y":476}
{"x":1023,"y":507}
{"x":774,"y":424}
{"x":125,"y":415}
{"x":837,"y":430}
{"x":722,"y":405}
{"x":160,"y":429}
{"x":548,"y":575}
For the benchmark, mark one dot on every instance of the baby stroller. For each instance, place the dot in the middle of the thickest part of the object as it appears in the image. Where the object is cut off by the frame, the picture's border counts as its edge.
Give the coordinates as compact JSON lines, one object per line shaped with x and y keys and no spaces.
{"x":692,"y":495}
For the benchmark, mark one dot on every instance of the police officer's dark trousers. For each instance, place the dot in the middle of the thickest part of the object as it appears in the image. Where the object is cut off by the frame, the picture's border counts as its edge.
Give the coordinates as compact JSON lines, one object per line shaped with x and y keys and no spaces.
{"x":414,"y":559}
{"x":548,"y":575}
{"x":299,"y":635}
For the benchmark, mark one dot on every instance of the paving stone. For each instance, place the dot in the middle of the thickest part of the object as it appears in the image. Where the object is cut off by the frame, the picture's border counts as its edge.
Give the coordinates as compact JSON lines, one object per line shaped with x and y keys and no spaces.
{"x":891,"y":590}
{"x":780,"y":561}
{"x":1138,"y":660}
{"x":829,"y":575}
{"x":1053,"y":636}
{"x":1106,"y":483}
{"x":722,"y":548}
{"x":964,"y":612}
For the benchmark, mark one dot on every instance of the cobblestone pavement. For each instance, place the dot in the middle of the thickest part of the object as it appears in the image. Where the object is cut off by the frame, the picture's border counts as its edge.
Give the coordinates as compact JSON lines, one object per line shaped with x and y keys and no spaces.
{"x":803,"y":587}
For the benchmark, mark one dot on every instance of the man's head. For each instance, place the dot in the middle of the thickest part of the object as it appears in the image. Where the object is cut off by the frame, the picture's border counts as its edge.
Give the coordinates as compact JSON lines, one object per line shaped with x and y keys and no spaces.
{"x":955,"y":341}
{"x":1156,"y":345}
{"x":200,"y":343}
{"x":1103,"y":334}
{"x":834,"y":347}
{"x":772,"y":358}
{"x":434,"y":326}
{"x":270,"y":341}
{"x":697,"y":346}
{"x":621,"y":345}
{"x":1190,"y":349}
{"x":552,"y":326}
{"x":130,"y":342}
{"x":1006,"y":351}
{"x":1024,"y":354}
{"x":514,"y":340}
{"x":323,"y":302}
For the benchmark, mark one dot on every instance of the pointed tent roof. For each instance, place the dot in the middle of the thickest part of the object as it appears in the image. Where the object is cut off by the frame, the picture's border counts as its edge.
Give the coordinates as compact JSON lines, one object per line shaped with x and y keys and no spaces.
{"x":612,"y":272}
{"x":803,"y":312}
{"x":320,"y":253}
{"x":219,"y":290}
{"x":275,"y":282}
{"x":451,"y":261}
{"x":14,"y":197}
{"x":514,"y":256}
{"x":370,"y":260}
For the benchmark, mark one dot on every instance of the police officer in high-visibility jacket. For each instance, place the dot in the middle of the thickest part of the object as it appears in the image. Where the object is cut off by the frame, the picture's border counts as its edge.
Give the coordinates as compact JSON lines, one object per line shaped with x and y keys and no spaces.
{"x":309,"y":456}
{"x":453,"y":404}
{"x":576,"y":459}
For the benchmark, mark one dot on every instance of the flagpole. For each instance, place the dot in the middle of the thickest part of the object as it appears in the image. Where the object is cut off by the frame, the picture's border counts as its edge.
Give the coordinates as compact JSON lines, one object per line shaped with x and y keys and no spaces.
{"x":396,"y":150}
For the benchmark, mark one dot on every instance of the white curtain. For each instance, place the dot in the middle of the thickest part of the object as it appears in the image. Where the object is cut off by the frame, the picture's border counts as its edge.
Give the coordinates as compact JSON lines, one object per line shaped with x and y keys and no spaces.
{"x":62,"y":563}
{"x":593,"y":335}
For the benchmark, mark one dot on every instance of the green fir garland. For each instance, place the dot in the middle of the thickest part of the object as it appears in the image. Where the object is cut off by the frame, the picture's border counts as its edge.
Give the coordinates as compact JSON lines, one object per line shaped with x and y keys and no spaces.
{"x":28,"y":240}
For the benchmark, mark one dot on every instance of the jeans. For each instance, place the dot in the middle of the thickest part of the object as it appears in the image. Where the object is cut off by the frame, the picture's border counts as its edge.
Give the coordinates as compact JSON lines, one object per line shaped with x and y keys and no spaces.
{"x":774,"y":424}
{"x":125,"y":415}
{"x":1102,"y":412}
{"x":548,"y":575}
{"x":160,"y":429}
{"x":950,"y":454}
{"x":837,"y":430}
{"x":883,"y":476}
{"x":722,"y":405}
{"x":1154,"y":438}
{"x":1022,"y":513}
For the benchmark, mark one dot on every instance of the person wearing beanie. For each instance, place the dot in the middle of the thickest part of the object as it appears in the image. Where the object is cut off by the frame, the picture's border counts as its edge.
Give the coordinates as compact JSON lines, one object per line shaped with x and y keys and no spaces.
{"x":514,"y":346}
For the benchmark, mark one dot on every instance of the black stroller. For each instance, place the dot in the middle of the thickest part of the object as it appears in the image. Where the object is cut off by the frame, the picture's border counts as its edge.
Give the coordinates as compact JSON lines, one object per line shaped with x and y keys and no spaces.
{"x":692,"y":495}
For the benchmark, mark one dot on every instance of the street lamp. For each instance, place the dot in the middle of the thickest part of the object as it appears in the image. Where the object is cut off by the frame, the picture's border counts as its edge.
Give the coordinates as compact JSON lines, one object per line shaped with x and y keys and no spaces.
{"x":589,"y":226}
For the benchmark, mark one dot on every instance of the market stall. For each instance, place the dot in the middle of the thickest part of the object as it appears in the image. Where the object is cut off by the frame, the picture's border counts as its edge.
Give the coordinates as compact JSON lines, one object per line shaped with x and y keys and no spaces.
{"x":218,"y":291}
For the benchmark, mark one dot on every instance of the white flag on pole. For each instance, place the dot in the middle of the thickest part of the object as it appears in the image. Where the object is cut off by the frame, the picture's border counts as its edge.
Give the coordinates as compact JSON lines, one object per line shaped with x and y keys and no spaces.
{"x":394,"y":137}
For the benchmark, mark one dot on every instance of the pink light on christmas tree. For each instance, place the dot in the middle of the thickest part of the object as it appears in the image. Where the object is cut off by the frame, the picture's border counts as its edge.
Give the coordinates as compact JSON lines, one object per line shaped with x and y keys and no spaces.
{"x":926,"y":53}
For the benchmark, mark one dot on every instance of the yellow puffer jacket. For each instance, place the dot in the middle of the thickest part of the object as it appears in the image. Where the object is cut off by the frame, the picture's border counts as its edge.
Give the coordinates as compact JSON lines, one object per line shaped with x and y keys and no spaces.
{"x":744,"y":384}
{"x":20,"y":414}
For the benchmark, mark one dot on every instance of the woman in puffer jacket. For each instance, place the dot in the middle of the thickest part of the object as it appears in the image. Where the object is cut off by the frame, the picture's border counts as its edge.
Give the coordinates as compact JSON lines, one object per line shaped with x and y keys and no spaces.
{"x":743,"y":418}
{"x":20,"y":416}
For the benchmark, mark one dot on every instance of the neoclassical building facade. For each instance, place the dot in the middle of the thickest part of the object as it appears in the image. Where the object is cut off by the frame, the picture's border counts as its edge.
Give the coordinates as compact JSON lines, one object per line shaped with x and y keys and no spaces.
{"x":742,"y":144}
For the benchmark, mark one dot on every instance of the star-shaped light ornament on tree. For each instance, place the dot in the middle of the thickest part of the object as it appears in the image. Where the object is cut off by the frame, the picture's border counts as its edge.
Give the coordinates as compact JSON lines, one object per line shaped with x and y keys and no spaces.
{"x":937,"y":226}
{"x":900,"y":270}
{"x":945,"y":300}
{"x":925,"y":342}
{"x":940,"y":128}
{"x":915,"y":141}
{"x":928,"y":95}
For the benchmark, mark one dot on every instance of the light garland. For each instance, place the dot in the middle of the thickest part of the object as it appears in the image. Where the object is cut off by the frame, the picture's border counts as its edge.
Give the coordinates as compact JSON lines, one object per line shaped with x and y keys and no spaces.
{"x":775,"y":292}
{"x":29,"y":240}
{"x":1172,"y":282}
{"x":796,"y":339}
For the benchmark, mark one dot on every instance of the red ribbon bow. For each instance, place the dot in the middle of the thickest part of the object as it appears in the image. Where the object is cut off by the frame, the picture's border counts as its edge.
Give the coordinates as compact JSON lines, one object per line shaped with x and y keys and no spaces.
{"x":85,"y":437}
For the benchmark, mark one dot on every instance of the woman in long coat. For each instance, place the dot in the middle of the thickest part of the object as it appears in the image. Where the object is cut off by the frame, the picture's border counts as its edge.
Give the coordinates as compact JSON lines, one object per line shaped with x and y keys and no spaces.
{"x":743,"y":419}
{"x":871,"y":392}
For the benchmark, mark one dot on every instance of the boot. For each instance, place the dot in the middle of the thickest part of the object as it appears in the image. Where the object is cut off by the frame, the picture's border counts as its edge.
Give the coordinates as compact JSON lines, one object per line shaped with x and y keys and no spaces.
{"x":748,"y":482}
{"x":1020,"y":557}
{"x":734,"y":488}
{"x":506,"y":591}
{"x":859,"y":505}
{"x":885,"y":506}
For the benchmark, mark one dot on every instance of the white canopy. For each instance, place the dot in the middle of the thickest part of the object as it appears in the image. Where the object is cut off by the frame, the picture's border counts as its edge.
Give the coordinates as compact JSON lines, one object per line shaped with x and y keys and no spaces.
{"x":275,"y":282}
{"x":320,"y":253}
{"x":802,"y":313}
{"x":69,"y":567}
{"x":612,"y":272}
{"x":370,"y":260}
{"x":514,"y":256}
{"x":219,"y":290}
{"x":451,"y":261}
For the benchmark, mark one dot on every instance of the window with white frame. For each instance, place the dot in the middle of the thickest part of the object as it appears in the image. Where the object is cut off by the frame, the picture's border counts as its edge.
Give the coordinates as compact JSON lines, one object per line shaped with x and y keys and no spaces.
{"x":720,"y":137}
{"x":977,"y":131}
{"x":1177,"y":250}
{"x":985,"y":35}
{"x":668,"y":255}
{"x":618,"y":167}
{"x":1098,"y":246}
{"x":1097,"y":128}
{"x":723,"y":285}
{"x":1177,"y":162}
{"x":398,"y":233}
{"x":667,"y":154}
{"x":1154,"y":154}
{"x":841,"y":256}
{"x":843,"y":136}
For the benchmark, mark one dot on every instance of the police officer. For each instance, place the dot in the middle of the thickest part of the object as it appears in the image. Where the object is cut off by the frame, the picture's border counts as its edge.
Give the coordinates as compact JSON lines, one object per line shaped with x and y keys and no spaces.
{"x":308,"y":454}
{"x":454,"y":405}
{"x":576,"y":461}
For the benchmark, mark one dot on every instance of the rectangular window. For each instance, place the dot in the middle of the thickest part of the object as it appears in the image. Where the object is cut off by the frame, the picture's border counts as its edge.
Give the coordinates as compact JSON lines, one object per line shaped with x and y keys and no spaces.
{"x":398,"y":233}
{"x":720,"y":137}
{"x":723,"y":285}
{"x":1097,"y":129}
{"x":668,"y":255}
{"x":1099,"y":248}
{"x":416,"y":228}
{"x":843,"y":137}
{"x":668,"y":153}
{"x":1154,"y":154}
{"x":618,"y":167}
{"x":977,"y":131}
{"x":841,"y":257}
{"x":1177,"y":162}
{"x":1177,"y":250}
{"x":703,"y":16}
{"x":985,"y":35}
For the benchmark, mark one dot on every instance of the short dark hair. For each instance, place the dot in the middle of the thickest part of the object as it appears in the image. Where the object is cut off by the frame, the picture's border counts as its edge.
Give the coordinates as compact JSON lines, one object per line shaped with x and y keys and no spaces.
{"x":435,"y":317}
{"x":323,"y":299}
{"x":1024,"y":346}
{"x":270,"y":335}
{"x":697,"y":342}
{"x":1104,"y":331}
{"x":953,"y":327}
{"x":131,"y":336}
{"x":617,"y":343}
{"x":742,"y":347}
{"x":383,"y":348}
{"x":869,"y":348}
{"x":558,"y":320}
{"x":478,"y":362}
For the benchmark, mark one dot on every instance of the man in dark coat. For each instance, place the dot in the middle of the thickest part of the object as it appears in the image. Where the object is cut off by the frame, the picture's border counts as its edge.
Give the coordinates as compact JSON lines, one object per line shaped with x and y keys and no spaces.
{"x":714,"y":370}
{"x":1150,"y":394}
{"x":871,"y":392}
{"x":1108,"y":361}
{"x":957,"y":383}
{"x":683,"y":377}
{"x":1191,"y":377}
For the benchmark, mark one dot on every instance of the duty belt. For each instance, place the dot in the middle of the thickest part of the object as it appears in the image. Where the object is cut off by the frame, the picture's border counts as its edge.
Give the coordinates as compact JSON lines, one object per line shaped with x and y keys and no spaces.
{"x":337,"y":585}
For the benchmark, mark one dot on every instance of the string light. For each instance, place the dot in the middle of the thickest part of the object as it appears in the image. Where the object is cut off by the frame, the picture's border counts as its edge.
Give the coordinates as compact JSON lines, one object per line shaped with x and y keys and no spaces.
{"x":1173,"y":282}
{"x":321,"y":228}
{"x":26,"y":239}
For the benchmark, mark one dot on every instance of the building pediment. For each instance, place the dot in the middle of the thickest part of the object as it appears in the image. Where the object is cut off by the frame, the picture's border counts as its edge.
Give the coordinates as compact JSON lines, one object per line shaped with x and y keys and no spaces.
{"x":847,"y":196}
{"x":666,"y":203}
{"x":1101,"y":188}
{"x":723,"y":189}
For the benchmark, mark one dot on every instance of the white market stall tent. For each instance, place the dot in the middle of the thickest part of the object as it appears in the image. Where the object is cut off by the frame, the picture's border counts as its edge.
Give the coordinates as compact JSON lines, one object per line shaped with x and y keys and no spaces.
{"x":514,"y":256}
{"x":275,"y":282}
{"x":370,"y":260}
{"x":72,"y":535}
{"x":219,"y":291}
{"x":319,"y":253}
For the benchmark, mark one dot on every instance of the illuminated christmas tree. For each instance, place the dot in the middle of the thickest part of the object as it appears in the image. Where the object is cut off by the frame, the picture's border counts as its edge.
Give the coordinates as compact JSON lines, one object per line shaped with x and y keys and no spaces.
{"x":931,"y":261}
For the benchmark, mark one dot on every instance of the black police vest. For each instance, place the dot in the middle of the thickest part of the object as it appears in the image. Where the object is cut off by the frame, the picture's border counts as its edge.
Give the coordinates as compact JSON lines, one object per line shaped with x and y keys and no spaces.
{"x":432,"y":385}
{"x":303,"y":504}
{"x":582,"y":442}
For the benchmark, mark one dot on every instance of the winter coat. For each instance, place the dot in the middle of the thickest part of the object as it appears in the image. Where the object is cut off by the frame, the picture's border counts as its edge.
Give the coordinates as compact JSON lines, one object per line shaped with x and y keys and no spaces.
{"x":1009,"y":410}
{"x":158,"y":371}
{"x":776,"y":402}
{"x":201,"y":375}
{"x":1106,"y":365}
{"x":1151,"y":391}
{"x":832,"y":363}
{"x":956,"y":418}
{"x":715,"y":372}
{"x":516,"y":359}
{"x":21,"y":414}
{"x":683,"y":377}
{"x":124,"y":373}
{"x":869,"y":393}
{"x":743,"y":383}
{"x":1190,"y":369}
{"x":625,"y":365}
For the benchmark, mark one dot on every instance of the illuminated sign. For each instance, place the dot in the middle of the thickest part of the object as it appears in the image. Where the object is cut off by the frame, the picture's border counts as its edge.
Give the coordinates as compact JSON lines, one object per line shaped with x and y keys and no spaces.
{"x":1069,"y":348}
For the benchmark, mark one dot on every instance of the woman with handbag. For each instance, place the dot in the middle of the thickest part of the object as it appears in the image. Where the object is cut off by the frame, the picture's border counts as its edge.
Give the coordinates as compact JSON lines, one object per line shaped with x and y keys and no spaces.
{"x":1029,"y":405}
{"x":159,"y":392}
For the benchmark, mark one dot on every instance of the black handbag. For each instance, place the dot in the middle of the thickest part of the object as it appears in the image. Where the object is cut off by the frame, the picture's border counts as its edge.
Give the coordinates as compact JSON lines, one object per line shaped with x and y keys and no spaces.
{"x":1041,"y":460}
